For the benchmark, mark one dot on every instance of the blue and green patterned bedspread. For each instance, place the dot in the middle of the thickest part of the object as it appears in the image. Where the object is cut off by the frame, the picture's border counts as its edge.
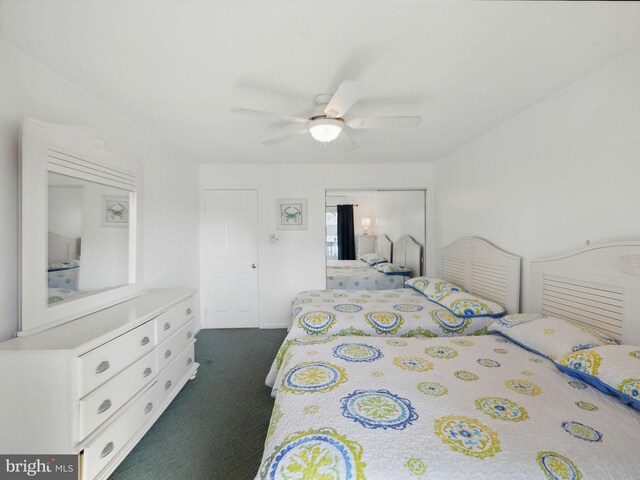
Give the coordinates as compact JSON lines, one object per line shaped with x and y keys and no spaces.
{"x":441,"y":408}
{"x":388,"y":313}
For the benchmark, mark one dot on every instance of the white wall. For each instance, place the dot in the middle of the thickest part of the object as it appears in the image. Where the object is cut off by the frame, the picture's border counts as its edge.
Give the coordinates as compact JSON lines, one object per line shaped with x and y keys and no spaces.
{"x":65,"y":212}
{"x":170,"y":203}
{"x":562,"y":173}
{"x":402,"y":212}
{"x":297,"y":262}
{"x":104,"y":250}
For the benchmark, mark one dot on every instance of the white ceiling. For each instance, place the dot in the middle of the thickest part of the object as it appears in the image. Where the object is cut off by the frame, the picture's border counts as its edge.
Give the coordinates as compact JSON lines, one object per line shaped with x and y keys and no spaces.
{"x":178,"y":67}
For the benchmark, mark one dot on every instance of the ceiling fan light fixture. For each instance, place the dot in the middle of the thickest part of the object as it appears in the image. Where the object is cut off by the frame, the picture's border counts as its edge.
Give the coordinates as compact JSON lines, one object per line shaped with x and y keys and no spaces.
{"x":325,"y":130}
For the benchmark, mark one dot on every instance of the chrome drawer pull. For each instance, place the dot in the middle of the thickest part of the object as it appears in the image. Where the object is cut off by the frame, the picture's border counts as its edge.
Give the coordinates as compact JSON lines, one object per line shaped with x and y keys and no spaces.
{"x":188,"y":311}
{"x":167,"y":385}
{"x":144,"y":341}
{"x":108,"y":448}
{"x":189,"y":361}
{"x":148,"y":408}
{"x":167,"y":354}
{"x":104,"y":406}
{"x":189,"y":334}
{"x":104,"y":366}
{"x":147,"y":372}
{"x":167,"y":326}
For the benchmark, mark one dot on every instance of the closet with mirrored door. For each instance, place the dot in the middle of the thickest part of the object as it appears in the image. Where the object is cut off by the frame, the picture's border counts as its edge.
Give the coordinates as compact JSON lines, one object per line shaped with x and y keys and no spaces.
{"x":368,"y":223}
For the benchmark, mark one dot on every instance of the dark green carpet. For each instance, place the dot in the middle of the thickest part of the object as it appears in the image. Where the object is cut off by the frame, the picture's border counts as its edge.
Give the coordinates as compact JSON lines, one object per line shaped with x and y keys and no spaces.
{"x":216,"y":426}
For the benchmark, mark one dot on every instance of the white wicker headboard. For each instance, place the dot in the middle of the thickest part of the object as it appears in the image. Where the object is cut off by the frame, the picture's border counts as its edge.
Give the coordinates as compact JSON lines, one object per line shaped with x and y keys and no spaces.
{"x":484,"y":269}
{"x":384,"y":246}
{"x":598,"y":286}
{"x":407,"y":252}
{"x":62,"y":249}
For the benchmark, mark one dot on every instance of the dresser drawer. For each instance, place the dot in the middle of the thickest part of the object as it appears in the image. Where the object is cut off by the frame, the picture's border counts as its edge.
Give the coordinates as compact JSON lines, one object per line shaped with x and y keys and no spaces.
{"x":106,"y":400}
{"x":173,"y":346}
{"x":106,"y":446}
{"x":176,"y":372}
{"x":171,"y":321}
{"x":106,"y":361}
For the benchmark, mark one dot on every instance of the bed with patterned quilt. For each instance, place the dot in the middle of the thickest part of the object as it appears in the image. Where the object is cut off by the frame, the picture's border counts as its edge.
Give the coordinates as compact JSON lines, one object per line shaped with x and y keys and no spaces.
{"x":549,"y":395}
{"x":392,"y":313}
{"x":481,"y":407}
{"x":358,"y":275}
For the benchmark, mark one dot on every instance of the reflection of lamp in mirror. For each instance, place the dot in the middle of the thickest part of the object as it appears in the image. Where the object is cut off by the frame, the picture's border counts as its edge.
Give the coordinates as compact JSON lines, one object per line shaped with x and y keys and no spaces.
{"x":366,"y":223}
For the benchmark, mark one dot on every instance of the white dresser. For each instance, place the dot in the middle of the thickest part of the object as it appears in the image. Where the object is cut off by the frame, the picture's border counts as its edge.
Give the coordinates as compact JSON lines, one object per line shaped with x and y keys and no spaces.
{"x":365,"y":244}
{"x":94,"y":386}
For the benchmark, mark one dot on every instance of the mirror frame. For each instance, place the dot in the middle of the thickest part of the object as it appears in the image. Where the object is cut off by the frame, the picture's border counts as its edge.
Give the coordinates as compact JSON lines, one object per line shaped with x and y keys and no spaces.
{"x":81,"y":153}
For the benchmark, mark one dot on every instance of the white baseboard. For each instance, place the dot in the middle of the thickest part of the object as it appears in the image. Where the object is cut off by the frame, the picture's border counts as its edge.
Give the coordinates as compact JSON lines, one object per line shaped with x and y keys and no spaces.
{"x":274,"y":325}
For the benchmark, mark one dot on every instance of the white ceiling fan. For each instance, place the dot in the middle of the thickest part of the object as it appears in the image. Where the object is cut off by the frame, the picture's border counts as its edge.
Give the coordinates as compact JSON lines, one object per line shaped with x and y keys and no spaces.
{"x":328,"y":122}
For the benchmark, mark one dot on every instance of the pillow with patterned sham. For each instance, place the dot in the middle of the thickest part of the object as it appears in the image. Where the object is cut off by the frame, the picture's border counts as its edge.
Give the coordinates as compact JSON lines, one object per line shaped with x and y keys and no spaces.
{"x":431,"y":286}
{"x":467,"y":305}
{"x":549,"y":336}
{"x":393,"y":269}
{"x":372,"y":259}
{"x":613,"y":369}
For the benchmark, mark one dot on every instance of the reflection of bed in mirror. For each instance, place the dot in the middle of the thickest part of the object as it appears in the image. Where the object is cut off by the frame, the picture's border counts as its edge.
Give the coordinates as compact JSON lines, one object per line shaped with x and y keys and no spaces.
{"x":63,"y":268}
{"x":359,"y":275}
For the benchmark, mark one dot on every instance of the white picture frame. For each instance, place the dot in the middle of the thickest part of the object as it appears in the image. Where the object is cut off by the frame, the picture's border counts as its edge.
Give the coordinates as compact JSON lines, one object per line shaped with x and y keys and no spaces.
{"x":291,"y":214}
{"x":115,"y":211}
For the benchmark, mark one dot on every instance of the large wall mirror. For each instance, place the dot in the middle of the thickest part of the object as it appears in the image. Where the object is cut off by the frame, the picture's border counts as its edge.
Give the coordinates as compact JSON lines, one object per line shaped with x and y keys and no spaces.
{"x":390,"y":225}
{"x":79,"y":225}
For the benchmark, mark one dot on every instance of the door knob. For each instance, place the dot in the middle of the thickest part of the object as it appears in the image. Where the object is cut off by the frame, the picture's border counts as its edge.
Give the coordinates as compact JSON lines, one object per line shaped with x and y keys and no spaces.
{"x":253,"y":265}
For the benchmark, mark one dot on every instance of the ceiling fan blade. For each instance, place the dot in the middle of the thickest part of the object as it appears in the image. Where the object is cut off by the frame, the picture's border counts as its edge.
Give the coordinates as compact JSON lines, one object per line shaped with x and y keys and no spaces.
{"x":384,"y":122}
{"x":284,"y":138}
{"x":347,"y":94}
{"x":345,"y":141}
{"x":286,"y":118}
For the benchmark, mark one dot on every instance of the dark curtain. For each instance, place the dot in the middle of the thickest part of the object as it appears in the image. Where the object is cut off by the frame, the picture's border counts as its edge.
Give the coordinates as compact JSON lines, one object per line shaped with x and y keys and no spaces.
{"x":346,"y":238}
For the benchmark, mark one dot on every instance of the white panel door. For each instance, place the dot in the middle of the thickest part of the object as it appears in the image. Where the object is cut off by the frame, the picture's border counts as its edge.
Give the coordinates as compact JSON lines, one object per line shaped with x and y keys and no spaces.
{"x":231,"y":258}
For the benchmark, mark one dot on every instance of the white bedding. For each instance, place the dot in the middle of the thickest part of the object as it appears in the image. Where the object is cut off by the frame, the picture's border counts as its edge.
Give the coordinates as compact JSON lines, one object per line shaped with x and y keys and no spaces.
{"x":441,"y":408}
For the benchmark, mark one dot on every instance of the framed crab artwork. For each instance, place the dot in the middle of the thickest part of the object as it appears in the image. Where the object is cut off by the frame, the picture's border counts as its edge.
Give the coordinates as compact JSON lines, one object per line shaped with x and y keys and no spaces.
{"x":291,"y":213}
{"x":115,"y":212}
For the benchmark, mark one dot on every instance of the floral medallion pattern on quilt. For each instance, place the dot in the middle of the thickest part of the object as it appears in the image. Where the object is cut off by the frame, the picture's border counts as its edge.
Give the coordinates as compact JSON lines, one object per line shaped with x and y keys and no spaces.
{"x":378,"y":409}
{"x":468,"y":436}
{"x":585,"y":361}
{"x":316,"y":322}
{"x":583,"y":432}
{"x":502,"y":408}
{"x":366,"y":407}
{"x":558,"y":467}
{"x":357,"y":352}
{"x":322,"y":453}
{"x":313,"y":377}
{"x":384,"y":322}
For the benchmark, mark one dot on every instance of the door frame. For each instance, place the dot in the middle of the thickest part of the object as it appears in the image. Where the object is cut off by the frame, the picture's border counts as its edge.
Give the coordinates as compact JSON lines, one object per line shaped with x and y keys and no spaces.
{"x":201,"y":250}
